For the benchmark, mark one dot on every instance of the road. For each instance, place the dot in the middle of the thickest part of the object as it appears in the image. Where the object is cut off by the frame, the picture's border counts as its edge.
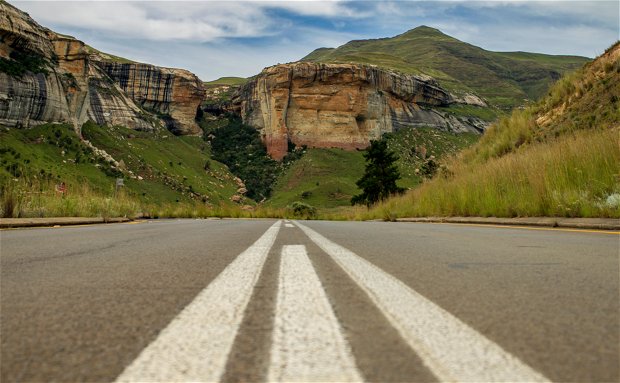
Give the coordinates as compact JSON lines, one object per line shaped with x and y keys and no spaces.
{"x":267,"y":300}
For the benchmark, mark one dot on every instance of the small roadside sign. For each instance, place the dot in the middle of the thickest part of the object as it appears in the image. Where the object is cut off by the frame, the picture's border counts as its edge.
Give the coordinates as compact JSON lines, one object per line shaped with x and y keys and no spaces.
{"x":61,"y":188}
{"x":119,"y":183}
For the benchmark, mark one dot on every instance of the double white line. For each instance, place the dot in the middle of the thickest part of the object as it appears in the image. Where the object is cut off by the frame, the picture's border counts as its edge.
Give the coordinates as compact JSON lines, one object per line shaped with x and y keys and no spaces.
{"x":196,"y":344}
{"x":308,"y":343}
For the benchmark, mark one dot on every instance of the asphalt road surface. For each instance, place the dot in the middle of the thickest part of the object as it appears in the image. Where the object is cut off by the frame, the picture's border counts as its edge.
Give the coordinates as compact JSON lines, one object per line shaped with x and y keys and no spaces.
{"x":268,"y":300}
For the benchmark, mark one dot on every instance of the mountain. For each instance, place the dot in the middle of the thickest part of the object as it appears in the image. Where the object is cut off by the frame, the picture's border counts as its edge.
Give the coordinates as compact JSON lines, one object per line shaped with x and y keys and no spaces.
{"x":504,"y":79}
{"x":558,"y":157}
{"x":344,"y":97}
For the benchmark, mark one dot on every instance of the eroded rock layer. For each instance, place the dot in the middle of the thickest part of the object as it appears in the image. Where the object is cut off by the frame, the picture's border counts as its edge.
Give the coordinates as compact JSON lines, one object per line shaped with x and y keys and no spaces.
{"x":174,"y":94}
{"x":342,"y":105}
{"x":47,"y":77}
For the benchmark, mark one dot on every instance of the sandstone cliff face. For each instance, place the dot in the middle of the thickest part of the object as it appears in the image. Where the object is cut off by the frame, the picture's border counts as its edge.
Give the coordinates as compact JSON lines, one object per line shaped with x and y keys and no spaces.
{"x":90,"y":93}
{"x":31,"y":100}
{"x":342,"y":105}
{"x":173,"y":93}
{"x":76,"y":85}
{"x":31,"y":97}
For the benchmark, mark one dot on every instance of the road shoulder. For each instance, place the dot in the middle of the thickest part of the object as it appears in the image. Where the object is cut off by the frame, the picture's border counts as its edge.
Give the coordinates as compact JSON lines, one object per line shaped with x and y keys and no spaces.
{"x":6,"y":223}
{"x":574,"y":223}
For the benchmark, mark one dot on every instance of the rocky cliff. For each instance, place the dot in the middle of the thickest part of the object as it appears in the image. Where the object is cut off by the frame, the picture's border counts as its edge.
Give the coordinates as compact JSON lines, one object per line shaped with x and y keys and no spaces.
{"x":48,"y":77}
{"x":343,"y":105}
{"x":173,"y":94}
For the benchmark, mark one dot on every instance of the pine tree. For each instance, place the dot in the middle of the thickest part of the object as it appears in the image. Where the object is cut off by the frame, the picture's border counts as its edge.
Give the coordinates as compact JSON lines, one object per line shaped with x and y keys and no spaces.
{"x":379,"y":179}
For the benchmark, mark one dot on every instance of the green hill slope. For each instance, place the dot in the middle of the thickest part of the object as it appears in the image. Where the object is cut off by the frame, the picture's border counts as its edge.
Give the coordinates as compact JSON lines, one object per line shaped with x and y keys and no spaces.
{"x":325,"y":178}
{"x":166,"y":170}
{"x":227,"y":81}
{"x":560,"y":157}
{"x":505,"y":79}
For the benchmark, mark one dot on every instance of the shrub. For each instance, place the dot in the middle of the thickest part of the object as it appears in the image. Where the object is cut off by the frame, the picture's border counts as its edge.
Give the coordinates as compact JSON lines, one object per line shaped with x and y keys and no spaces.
{"x":302,"y":210}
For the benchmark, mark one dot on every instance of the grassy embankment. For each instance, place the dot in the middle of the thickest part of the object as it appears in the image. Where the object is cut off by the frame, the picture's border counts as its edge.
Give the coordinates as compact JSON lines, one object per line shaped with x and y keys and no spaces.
{"x":560,"y":157}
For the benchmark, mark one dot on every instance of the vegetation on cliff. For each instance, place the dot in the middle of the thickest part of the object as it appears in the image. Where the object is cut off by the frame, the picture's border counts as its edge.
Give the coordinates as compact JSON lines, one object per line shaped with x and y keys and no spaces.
{"x":560,"y":157}
{"x":21,"y":62}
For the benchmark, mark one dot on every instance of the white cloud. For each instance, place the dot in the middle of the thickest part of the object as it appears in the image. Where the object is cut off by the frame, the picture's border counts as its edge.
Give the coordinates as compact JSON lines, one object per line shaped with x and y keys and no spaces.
{"x":178,"y":20}
{"x":313,"y":7}
{"x":201,"y":21}
{"x":229,"y":37}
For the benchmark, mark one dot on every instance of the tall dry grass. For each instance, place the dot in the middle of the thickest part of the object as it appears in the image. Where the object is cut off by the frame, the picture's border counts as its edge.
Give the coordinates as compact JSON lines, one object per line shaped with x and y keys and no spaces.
{"x":32,"y":197}
{"x":575,"y":175}
{"x":197,"y":210}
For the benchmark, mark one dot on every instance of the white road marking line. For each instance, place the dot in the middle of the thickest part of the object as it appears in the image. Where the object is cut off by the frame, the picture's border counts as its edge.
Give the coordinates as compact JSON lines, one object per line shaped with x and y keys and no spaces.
{"x":451,"y":349}
{"x":196,"y":343}
{"x":289,"y":225}
{"x":308,"y":343}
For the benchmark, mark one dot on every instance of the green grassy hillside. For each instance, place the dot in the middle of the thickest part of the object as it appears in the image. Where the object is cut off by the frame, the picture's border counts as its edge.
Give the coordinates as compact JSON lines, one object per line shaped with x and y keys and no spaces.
{"x":172,"y":167}
{"x":504,"y":79}
{"x":325,"y":178}
{"x":560,"y":157}
{"x":167,"y":169}
{"x":227,"y":81}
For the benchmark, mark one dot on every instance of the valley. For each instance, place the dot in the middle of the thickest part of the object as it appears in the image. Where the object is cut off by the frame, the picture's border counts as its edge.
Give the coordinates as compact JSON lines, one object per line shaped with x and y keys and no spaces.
{"x":295,"y":132}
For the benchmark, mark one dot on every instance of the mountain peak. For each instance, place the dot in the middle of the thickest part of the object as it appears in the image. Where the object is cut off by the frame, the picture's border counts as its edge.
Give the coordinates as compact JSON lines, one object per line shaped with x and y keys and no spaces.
{"x":423,"y":30}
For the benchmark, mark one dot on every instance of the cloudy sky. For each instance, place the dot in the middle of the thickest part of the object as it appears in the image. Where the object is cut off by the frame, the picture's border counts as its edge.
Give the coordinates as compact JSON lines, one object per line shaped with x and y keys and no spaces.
{"x":239,"y":38}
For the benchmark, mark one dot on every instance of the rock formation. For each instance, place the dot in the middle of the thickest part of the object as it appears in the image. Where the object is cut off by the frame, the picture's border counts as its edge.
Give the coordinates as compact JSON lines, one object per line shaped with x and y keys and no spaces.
{"x":73,"y":83}
{"x":343,"y":105}
{"x":174,"y":94}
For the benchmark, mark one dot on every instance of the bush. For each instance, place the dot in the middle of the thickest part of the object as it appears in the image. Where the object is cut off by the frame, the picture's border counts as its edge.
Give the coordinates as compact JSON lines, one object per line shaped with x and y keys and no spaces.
{"x":302,"y":210}
{"x":429,"y":168}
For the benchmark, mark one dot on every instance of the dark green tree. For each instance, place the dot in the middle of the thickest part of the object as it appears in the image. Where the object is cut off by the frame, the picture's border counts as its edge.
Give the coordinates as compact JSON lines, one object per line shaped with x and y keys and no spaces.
{"x":379,"y":179}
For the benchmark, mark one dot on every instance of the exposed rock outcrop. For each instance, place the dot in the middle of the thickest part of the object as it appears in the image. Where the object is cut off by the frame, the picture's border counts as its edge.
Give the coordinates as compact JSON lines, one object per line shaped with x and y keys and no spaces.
{"x":31,"y":100}
{"x":174,"y":94}
{"x":91,"y":94}
{"x":343,"y":105}
{"x":74,"y":83}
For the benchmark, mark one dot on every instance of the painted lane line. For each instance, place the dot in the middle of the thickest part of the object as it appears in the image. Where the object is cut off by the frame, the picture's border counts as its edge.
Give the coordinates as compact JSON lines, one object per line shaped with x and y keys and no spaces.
{"x":289,"y":225}
{"x":196,"y":343}
{"x":307,"y":343}
{"x":451,"y":349}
